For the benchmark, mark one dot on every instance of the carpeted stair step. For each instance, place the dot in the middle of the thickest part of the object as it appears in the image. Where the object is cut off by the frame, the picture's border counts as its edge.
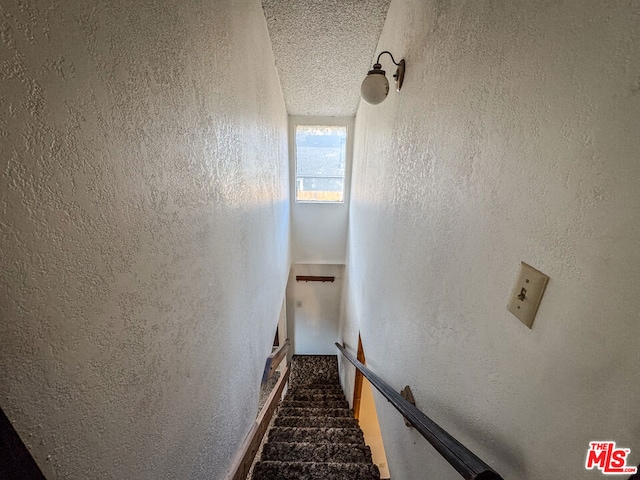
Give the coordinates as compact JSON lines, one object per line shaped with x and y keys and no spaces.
{"x":321,"y":422}
{"x":316,"y":435}
{"x":271,"y":470}
{"x":316,"y":452}
{"x":316,"y":397}
{"x":318,"y":404}
{"x":314,"y":382}
{"x":314,"y":412}
{"x":332,"y":388}
{"x":323,"y":390}
{"x":315,"y":369}
{"x":313,"y":378}
{"x":315,"y":393}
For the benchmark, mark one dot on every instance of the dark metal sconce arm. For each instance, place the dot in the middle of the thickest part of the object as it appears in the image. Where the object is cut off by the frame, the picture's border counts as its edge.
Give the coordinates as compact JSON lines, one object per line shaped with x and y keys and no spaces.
{"x":392,"y":59}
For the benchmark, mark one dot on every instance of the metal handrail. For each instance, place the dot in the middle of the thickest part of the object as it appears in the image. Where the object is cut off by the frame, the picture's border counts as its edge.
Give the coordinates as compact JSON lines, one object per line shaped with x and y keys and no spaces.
{"x":459,"y":457}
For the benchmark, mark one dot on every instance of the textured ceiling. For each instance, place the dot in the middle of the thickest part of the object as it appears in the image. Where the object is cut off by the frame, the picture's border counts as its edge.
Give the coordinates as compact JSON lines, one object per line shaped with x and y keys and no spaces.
{"x":323,"y":50}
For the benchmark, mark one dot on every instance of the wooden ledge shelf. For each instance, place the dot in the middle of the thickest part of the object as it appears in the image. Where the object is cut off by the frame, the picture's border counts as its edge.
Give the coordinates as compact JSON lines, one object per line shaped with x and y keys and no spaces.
{"x":243,"y":459}
{"x":312,"y":278}
{"x":274,"y":360}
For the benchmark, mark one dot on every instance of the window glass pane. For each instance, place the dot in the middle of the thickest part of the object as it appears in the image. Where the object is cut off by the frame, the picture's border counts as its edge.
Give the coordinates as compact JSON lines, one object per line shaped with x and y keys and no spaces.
{"x":320,"y":163}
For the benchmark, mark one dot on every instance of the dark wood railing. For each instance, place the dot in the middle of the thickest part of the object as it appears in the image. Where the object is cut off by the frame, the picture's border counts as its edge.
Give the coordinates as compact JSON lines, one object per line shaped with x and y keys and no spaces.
{"x":243,"y":460}
{"x":274,"y":360}
{"x":459,"y":457}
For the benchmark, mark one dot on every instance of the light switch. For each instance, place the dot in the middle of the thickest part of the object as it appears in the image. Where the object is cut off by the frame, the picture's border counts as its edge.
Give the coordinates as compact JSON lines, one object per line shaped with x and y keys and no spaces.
{"x":527,"y":293}
{"x":298,"y":303}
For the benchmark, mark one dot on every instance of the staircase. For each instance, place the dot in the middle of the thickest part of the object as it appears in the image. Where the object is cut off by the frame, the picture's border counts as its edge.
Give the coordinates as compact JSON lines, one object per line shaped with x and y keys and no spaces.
{"x":314,"y":435}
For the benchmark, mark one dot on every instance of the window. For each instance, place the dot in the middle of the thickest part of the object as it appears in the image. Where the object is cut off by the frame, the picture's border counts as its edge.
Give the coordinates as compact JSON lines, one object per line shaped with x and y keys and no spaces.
{"x":321,"y":153}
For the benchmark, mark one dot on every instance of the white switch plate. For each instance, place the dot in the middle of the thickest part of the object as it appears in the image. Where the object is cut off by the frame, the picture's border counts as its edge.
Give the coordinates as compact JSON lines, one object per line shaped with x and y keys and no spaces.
{"x":527,"y":293}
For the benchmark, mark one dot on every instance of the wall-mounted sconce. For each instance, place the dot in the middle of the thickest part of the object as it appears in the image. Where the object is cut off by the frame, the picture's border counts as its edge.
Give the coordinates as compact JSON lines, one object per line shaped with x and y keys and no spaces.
{"x":375,"y":86}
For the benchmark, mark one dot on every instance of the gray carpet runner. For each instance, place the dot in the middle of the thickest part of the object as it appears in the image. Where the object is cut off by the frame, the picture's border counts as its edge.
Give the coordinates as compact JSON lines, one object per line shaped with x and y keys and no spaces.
{"x":314,"y":435}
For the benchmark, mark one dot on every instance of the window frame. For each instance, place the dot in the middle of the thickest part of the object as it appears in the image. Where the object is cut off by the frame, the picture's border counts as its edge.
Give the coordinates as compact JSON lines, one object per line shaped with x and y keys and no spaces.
{"x":345,"y":122}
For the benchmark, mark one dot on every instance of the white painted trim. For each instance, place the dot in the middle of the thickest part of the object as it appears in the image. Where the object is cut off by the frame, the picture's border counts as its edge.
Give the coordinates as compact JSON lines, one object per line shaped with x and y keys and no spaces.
{"x":348,"y":122}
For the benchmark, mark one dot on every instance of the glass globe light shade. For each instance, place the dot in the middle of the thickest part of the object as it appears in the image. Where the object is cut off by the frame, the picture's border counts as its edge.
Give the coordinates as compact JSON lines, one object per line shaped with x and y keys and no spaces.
{"x":375,"y":86}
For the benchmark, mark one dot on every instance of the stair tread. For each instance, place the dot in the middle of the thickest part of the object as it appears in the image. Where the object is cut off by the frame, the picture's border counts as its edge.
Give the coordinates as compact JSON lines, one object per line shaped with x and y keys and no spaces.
{"x":318,"y":385}
{"x":331,"y":446}
{"x":316,"y":396}
{"x":328,"y":401}
{"x":275,"y":470}
{"x":305,"y":464}
{"x":330,"y":404}
{"x":327,"y":387}
{"x":317,"y":428}
{"x":317,"y":452}
{"x":316,"y":435}
{"x":315,"y":412}
{"x":337,"y":422}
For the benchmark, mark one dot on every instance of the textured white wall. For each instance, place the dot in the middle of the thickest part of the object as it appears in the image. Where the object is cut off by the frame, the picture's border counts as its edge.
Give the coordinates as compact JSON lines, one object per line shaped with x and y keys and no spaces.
{"x":515,"y":137}
{"x":313,"y":327}
{"x":144,"y":229}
